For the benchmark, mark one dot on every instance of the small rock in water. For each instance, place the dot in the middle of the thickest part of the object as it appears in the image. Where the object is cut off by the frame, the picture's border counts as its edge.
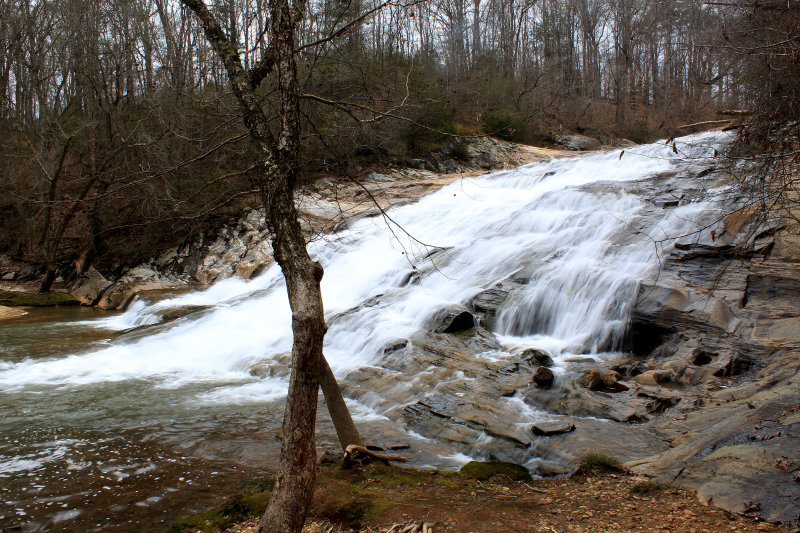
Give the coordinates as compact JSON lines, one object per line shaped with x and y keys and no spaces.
{"x":543,"y":377}
{"x":536,"y":356}
{"x":597,"y":379}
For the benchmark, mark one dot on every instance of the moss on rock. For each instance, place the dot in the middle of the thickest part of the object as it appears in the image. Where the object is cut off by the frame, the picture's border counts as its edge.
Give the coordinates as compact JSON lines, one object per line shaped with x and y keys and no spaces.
{"x":486,"y":469}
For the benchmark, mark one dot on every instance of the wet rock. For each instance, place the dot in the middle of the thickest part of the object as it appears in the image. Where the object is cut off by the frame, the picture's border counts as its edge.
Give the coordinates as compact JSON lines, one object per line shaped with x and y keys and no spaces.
{"x":136,"y":280}
{"x":9,"y":276}
{"x":580,"y":360}
{"x":543,"y":377}
{"x":549,"y":429}
{"x":395,"y":346}
{"x":534,"y":357}
{"x":180,"y":312}
{"x":452,"y":319}
{"x":90,"y":287}
{"x":486,"y":303}
{"x":597,"y":379}
{"x":438,"y":413}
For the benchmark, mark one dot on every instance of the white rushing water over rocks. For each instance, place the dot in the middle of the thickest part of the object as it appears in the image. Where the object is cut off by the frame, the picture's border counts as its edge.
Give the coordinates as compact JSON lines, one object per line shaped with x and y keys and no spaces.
{"x":534,"y":221}
{"x":563,"y":227}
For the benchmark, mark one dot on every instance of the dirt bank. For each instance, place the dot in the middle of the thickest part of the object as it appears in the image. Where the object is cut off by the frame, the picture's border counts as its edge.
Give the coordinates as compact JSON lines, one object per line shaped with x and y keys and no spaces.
{"x":378,"y":498}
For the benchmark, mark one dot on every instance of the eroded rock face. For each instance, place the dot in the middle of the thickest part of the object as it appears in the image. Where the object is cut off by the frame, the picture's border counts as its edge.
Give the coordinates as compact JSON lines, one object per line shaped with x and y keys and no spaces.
{"x":136,"y":280}
{"x":242,"y":249}
{"x":720,"y":330}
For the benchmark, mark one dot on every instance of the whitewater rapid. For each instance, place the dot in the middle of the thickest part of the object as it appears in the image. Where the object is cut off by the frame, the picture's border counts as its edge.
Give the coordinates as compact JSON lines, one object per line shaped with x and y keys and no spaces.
{"x":539,"y":221}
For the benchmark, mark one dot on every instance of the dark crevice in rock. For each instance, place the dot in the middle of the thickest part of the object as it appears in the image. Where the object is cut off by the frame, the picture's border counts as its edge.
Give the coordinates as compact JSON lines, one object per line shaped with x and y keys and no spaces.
{"x":645,"y":337}
{"x":702,"y":357}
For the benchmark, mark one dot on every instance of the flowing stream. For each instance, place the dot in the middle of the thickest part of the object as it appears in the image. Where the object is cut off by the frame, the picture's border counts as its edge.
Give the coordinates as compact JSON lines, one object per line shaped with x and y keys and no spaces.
{"x":105,"y":418}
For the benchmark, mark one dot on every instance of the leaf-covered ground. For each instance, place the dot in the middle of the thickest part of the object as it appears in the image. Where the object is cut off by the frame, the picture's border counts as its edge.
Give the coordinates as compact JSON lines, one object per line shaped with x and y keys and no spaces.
{"x":378,"y":498}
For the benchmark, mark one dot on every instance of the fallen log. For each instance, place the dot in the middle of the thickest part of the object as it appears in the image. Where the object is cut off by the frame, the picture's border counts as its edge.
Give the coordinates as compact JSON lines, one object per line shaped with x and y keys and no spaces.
{"x":707,"y":123}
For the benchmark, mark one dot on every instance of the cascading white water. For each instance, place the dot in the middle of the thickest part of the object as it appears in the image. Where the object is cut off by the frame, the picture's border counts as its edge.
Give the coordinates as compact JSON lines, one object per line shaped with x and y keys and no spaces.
{"x":571,"y":231}
{"x":535,"y":221}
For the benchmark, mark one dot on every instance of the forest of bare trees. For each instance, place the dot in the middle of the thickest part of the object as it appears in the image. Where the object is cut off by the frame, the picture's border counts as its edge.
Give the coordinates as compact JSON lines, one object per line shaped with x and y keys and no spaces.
{"x":118,"y":131}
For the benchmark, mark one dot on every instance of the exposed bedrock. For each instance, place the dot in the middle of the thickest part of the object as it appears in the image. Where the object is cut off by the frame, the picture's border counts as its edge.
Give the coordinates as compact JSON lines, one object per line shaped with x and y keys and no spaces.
{"x":721,"y":328}
{"x":707,"y":396}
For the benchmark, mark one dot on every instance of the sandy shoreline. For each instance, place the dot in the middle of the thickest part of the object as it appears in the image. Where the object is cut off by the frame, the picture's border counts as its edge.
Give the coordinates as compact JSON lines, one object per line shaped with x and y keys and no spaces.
{"x":11,"y":312}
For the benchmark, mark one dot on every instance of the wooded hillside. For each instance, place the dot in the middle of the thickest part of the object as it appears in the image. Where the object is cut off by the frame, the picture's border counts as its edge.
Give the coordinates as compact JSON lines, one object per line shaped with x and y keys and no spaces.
{"x":118,"y":133}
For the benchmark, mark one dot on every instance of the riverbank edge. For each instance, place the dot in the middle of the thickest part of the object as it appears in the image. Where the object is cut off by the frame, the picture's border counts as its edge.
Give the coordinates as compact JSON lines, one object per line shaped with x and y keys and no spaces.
{"x":377,"y":497}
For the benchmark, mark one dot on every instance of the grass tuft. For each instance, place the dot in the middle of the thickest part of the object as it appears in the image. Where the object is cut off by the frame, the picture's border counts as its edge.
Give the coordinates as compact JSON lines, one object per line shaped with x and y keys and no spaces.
{"x":598,"y":462}
{"x":648,"y":487}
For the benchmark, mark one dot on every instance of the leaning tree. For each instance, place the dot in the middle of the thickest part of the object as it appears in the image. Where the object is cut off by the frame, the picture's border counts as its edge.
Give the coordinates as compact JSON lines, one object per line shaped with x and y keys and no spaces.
{"x":276,"y":143}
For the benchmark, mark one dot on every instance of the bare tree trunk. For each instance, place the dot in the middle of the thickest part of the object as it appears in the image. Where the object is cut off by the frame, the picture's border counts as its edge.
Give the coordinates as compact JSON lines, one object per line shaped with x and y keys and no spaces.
{"x":294,"y":486}
{"x":340,"y":414}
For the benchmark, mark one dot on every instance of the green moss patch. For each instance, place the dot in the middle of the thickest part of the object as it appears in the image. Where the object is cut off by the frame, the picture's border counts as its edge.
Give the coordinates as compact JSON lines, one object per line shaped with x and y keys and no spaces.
{"x":485,"y":469}
{"x":252,"y":502}
{"x":50,"y":299}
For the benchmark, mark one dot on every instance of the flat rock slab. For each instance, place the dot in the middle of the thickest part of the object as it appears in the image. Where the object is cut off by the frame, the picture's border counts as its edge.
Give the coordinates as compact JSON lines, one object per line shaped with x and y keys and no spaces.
{"x":548,"y":429}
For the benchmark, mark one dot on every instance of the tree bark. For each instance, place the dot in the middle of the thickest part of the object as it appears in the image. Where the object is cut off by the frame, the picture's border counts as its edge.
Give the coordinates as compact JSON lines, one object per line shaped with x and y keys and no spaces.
{"x":277,"y":170}
{"x":345,"y":428}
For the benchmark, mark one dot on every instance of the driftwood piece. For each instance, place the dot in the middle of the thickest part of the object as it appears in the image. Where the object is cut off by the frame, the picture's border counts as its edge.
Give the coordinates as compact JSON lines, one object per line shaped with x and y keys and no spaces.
{"x":707,"y":123}
{"x":355,"y":454}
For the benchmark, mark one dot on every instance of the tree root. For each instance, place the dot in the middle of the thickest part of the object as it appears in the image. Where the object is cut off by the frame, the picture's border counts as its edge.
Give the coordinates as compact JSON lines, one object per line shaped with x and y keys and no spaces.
{"x":359,"y":455}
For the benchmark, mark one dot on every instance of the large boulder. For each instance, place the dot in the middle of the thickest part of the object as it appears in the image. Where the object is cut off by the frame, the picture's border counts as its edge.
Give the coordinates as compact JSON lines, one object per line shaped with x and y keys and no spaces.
{"x":452,"y":319}
{"x":136,"y":280}
{"x":89,"y":287}
{"x":578,"y":142}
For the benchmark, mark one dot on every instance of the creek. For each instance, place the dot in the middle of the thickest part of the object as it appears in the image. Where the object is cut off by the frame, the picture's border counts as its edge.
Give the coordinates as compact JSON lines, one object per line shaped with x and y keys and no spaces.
{"x":121,"y":421}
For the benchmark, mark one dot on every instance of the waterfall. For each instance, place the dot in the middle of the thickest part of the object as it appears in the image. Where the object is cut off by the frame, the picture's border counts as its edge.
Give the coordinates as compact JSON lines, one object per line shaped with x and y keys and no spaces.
{"x":564,"y":225}
{"x":568,"y":239}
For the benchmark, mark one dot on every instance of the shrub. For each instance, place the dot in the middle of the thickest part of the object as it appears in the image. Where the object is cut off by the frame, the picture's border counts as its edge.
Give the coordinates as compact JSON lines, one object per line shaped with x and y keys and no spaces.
{"x":503,"y":125}
{"x":435,"y":121}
